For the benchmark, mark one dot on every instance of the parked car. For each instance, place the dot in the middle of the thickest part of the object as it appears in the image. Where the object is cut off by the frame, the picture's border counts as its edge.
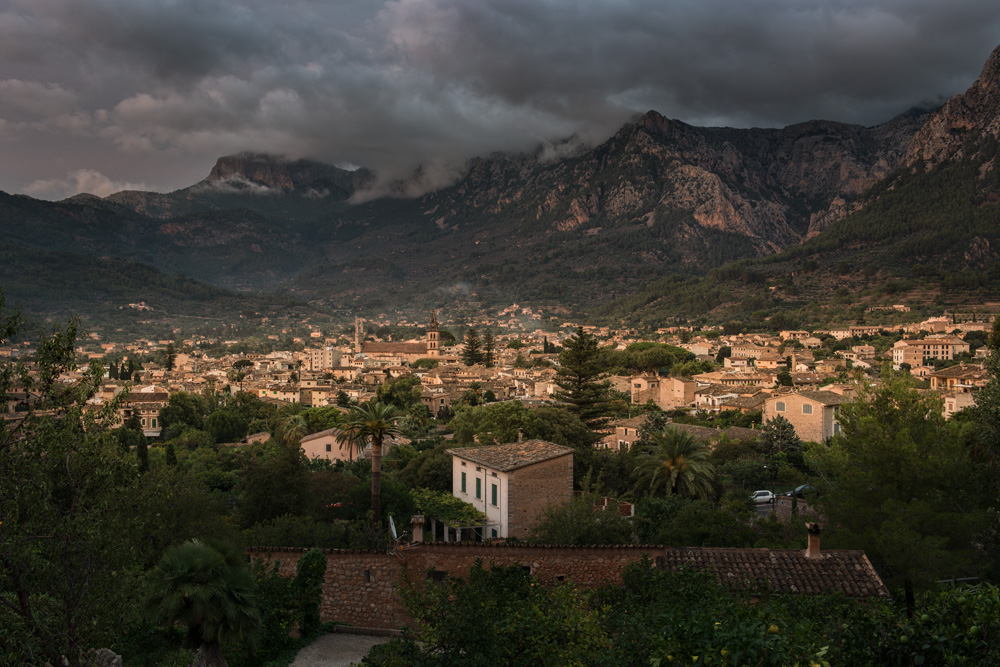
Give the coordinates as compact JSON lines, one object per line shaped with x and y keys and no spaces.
{"x":761,"y":497}
{"x":802,"y":491}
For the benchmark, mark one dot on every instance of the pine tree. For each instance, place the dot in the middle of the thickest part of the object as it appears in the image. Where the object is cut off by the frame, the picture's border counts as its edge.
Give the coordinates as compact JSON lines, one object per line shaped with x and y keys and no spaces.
{"x":171,"y":356}
{"x":489,"y":349}
{"x":582,"y":380}
{"x":473,"y":351}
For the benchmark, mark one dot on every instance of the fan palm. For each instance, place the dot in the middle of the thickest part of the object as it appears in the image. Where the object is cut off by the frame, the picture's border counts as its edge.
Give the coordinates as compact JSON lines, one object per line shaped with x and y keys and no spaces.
{"x":292,"y":429}
{"x":350,"y":438}
{"x":211,"y":591}
{"x":679,"y":465}
{"x":373,"y":422}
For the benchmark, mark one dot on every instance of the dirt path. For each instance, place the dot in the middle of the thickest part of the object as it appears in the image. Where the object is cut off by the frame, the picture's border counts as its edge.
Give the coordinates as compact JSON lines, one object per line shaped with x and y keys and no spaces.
{"x":336,"y":650}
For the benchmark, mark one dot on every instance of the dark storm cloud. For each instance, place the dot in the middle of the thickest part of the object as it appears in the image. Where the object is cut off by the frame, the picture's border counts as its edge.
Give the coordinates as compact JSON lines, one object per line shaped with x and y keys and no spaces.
{"x":154,"y":90}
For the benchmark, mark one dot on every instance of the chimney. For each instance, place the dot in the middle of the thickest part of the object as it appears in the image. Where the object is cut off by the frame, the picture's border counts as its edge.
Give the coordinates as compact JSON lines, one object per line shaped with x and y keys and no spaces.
{"x":520,"y":435}
{"x":812,"y":551}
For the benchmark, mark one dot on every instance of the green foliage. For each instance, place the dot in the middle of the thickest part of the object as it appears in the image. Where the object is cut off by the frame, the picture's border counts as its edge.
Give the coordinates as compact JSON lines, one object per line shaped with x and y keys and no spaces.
{"x":581,"y":380}
{"x":497,"y":616}
{"x":472,"y":352}
{"x":499,"y":423}
{"x":210,"y":590}
{"x":778,"y":435}
{"x":443,"y":506}
{"x":677,"y":464}
{"x":310,"y":573}
{"x":896,"y":486}
{"x":226,"y":425}
{"x":579,"y":522}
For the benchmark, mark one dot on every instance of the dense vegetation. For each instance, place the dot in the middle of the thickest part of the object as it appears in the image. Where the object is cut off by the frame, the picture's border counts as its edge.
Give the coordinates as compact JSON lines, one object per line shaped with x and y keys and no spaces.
{"x":89,"y":508}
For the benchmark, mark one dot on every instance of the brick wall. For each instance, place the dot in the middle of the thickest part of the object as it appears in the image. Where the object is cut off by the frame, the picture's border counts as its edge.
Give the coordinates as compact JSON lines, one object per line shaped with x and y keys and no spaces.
{"x":533,"y":488}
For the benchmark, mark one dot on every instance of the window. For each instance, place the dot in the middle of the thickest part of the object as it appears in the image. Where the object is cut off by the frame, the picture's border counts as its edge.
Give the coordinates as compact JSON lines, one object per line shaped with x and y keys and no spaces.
{"x":836,"y":428}
{"x":144,"y":422}
{"x":463,"y":482}
{"x":779,"y":406}
{"x":368,"y":576}
{"x":493,"y":495}
{"x":154,"y":422}
{"x":494,"y":532}
{"x":807,"y":409}
{"x":479,"y":488}
{"x":329,"y":448}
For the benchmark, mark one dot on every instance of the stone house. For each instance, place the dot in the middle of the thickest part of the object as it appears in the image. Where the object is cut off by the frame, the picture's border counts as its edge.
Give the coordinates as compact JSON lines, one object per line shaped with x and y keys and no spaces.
{"x":812,"y":413}
{"x":513,"y":484}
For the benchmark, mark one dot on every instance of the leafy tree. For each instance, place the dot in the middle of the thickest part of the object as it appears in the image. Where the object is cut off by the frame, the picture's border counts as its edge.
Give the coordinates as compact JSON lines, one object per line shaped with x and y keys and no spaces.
{"x":985,"y":418}
{"x":472,"y":353}
{"x":68,"y":517}
{"x":678,"y":464}
{"x":724,"y":353}
{"x":374,"y":422}
{"x":210,"y":590}
{"x":582,"y":381}
{"x":226,"y":425}
{"x":496,"y":616}
{"x":273,"y":482}
{"x":896,"y":485}
{"x":579,"y":522}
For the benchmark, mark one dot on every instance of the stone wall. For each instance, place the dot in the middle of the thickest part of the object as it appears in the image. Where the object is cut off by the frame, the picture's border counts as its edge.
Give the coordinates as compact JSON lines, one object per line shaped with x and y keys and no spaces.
{"x":533,"y":488}
{"x":361,"y":587}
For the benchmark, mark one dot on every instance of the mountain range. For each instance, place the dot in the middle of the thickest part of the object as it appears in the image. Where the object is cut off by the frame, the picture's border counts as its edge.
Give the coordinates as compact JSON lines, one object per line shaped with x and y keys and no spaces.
{"x":570,"y":224}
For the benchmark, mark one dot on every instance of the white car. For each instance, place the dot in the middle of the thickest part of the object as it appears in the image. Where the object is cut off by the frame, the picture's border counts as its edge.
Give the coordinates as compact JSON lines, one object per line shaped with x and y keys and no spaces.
{"x":761,"y":497}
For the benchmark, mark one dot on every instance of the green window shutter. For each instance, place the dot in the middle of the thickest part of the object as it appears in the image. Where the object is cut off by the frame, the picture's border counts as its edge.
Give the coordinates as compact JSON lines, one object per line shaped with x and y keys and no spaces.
{"x":479,"y":488}
{"x":463,"y":482}
{"x":493,"y":494}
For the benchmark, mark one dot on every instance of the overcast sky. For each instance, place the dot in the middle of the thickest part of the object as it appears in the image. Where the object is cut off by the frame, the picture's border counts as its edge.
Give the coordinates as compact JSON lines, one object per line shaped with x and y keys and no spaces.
{"x":103,"y":95}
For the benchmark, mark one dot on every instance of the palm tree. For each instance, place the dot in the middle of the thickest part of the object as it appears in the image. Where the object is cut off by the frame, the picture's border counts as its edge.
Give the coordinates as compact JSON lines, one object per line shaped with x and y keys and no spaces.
{"x":292,"y":429}
{"x":679,"y":464}
{"x":374,"y":421}
{"x":350,"y":438}
{"x":211,"y":591}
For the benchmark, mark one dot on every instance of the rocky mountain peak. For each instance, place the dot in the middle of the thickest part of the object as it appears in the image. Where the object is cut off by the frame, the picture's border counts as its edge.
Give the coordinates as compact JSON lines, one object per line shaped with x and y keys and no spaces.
{"x":270,"y":174}
{"x":977,"y":110}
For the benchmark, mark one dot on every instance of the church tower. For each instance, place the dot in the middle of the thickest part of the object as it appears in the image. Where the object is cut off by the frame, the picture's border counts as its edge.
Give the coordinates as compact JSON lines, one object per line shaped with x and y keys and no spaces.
{"x":432,"y":337}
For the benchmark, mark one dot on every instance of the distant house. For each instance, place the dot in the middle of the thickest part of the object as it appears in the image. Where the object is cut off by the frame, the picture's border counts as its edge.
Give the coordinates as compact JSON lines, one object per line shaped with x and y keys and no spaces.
{"x":513,"y":484}
{"x":326,"y":445}
{"x":812,"y":413}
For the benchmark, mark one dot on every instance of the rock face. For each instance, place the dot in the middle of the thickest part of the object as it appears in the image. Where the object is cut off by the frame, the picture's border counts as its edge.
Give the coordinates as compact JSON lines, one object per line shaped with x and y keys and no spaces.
{"x":976,"y":111}
{"x":771,"y":187}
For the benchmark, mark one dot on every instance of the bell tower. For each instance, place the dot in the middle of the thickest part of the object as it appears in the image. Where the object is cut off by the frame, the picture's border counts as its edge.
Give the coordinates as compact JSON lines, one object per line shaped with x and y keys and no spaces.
{"x":432,"y":337}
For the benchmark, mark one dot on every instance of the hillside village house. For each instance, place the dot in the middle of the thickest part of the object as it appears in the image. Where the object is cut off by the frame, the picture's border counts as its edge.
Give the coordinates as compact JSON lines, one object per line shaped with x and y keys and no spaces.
{"x":668,"y":393}
{"x":513,"y":484}
{"x":916,"y":352}
{"x":812,"y":413}
{"x":326,"y":445}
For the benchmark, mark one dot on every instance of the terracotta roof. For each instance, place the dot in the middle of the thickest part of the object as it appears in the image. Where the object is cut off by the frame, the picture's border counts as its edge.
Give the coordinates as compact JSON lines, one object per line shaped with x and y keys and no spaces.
{"x":783,"y":570}
{"x":149,"y":397}
{"x":975,"y":371}
{"x":631,"y":422}
{"x":394,"y":348}
{"x":824,"y":397}
{"x":504,"y":458}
